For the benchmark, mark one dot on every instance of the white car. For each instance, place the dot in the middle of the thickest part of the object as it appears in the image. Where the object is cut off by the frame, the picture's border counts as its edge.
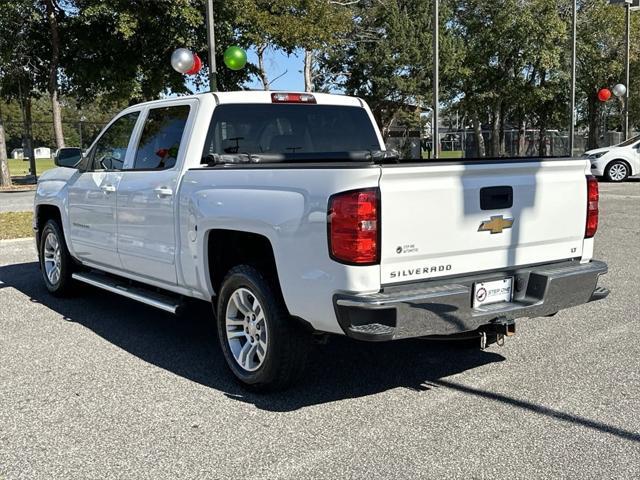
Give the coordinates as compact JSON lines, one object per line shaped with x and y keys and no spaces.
{"x":284,"y":212}
{"x":618,"y":162}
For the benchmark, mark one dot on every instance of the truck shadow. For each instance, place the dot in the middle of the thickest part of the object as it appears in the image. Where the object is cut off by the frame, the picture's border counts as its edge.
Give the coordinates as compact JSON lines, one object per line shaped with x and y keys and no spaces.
{"x":187,"y":346}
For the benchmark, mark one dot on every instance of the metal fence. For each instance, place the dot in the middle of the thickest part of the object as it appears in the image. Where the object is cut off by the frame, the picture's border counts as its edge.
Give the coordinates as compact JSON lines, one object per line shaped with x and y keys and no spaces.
{"x":463,"y":143}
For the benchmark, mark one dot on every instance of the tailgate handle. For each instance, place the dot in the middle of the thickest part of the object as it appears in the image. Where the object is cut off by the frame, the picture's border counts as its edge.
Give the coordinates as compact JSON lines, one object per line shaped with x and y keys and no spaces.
{"x":495,"y":198}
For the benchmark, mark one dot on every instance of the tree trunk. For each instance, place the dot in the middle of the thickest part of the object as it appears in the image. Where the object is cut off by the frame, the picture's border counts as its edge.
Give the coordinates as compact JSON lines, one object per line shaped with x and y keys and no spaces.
{"x":262,"y":72}
{"x":594,"y":124}
{"x":522,"y":136}
{"x":477,"y":129}
{"x":502,"y":134}
{"x":5,"y":175}
{"x":308,"y":71}
{"x":28,"y":135}
{"x":495,"y":130}
{"x":53,"y":73}
{"x":542,"y":141}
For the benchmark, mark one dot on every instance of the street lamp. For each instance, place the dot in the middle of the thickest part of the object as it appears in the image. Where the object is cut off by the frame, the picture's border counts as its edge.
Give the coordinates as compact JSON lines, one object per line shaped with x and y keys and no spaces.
{"x":436,"y":79}
{"x":572,"y":127}
{"x":628,"y":6}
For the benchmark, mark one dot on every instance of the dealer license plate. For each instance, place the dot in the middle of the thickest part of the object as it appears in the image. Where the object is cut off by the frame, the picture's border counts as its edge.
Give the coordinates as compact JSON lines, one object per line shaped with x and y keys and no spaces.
{"x":485,"y":293}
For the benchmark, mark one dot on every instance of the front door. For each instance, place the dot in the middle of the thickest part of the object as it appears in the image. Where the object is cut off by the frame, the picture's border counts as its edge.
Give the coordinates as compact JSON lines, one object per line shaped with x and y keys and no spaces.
{"x":147,"y":195}
{"x":92,"y":196}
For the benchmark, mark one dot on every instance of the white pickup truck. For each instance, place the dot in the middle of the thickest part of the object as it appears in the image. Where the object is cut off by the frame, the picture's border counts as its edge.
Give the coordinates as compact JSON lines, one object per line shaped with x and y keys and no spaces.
{"x":284,"y":211}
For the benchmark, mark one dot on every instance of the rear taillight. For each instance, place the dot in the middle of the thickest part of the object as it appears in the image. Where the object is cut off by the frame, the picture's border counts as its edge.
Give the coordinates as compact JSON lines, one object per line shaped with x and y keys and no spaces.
{"x":354,"y":227}
{"x":592,"y":207}
{"x":279,"y":97}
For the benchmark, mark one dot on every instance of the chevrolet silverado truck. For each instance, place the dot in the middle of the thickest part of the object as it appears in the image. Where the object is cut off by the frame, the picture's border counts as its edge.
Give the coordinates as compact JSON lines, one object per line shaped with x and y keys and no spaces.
{"x":287,"y":214}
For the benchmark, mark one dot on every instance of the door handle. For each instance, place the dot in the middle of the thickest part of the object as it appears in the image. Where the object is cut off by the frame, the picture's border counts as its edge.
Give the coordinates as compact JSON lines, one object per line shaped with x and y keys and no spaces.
{"x":108,"y":188}
{"x":163,"y":191}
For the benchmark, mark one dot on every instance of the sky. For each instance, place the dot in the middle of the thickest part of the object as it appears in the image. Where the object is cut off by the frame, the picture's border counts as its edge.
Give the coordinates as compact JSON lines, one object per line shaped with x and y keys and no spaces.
{"x":277,"y":62}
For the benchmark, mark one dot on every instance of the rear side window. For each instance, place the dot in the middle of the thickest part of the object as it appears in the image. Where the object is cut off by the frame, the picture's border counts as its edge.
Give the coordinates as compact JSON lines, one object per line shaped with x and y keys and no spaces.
{"x":161,"y":136}
{"x":289,"y":129}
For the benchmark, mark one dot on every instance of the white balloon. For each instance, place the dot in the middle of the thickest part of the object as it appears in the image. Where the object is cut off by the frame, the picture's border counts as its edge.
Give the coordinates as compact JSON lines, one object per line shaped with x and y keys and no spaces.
{"x":619,"y":90}
{"x":182,"y":60}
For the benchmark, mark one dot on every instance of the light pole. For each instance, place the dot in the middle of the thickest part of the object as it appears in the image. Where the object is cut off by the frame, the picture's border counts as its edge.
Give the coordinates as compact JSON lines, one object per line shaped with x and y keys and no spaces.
{"x":436,"y":79}
{"x":628,"y":5}
{"x":574,"y":22}
{"x":625,"y":122}
{"x":211,"y":42}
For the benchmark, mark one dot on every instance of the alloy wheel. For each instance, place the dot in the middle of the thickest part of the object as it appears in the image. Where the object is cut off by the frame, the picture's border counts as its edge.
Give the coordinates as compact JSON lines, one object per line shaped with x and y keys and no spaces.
{"x":618,"y":172}
{"x":52,"y":260}
{"x":246,"y":329}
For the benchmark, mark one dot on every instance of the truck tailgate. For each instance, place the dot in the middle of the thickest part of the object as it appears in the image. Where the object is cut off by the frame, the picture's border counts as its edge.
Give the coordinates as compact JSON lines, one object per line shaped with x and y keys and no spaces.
{"x":450,"y":219}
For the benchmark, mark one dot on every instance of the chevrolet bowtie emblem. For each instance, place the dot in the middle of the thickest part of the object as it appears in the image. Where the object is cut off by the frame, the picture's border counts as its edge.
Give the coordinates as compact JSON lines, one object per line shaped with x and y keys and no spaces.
{"x":496,"y":225}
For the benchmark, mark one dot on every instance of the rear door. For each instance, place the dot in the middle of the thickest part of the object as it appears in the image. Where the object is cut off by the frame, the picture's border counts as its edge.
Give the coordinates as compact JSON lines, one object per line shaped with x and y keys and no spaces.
{"x":451,"y":219}
{"x":92,"y":196}
{"x":147,"y":193}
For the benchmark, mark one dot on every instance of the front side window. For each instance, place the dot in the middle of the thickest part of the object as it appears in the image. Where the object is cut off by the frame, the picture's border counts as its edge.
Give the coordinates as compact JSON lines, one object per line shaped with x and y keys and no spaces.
{"x":110,"y":151}
{"x":285,"y":129}
{"x":161,"y":137}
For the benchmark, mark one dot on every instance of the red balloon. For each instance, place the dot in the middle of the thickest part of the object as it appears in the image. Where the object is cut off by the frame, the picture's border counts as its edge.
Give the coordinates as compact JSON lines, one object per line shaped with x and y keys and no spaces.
{"x":197,"y":65}
{"x":604,"y":94}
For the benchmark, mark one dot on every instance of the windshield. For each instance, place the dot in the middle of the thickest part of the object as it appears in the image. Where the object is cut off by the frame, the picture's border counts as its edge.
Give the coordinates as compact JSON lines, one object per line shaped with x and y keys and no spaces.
{"x":631,"y":141}
{"x":289,"y":129}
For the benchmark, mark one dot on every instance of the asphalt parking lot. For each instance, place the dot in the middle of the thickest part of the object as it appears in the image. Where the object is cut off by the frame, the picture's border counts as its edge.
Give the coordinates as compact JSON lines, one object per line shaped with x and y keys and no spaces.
{"x":17,"y":201}
{"x":97,"y":386}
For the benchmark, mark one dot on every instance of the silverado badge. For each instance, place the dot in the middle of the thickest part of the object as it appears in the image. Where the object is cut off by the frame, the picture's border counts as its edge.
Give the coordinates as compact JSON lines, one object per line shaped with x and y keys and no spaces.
{"x":496,"y":225}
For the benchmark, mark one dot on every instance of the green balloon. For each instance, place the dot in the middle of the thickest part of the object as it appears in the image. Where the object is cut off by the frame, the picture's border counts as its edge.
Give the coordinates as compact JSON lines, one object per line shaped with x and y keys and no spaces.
{"x":235,"y":58}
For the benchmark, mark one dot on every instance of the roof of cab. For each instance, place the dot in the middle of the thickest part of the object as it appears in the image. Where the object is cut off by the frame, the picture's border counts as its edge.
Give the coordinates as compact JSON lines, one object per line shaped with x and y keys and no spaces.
{"x":261,"y":96}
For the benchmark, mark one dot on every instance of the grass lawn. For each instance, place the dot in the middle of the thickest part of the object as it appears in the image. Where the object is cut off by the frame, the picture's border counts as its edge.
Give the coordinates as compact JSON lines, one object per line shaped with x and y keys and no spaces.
{"x":19,"y":167}
{"x":445,"y":155}
{"x":15,"y":225}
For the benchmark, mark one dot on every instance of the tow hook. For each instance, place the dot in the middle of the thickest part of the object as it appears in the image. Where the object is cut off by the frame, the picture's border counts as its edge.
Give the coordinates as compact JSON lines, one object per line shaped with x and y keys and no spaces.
{"x":496,"y":332}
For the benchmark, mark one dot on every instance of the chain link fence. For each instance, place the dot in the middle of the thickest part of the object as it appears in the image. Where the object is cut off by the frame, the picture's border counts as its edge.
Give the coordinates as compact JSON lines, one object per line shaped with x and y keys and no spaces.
{"x":464,"y":143}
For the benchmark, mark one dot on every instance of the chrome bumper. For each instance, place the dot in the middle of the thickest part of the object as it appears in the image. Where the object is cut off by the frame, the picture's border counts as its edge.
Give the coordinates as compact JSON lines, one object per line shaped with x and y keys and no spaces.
{"x":445,"y":307}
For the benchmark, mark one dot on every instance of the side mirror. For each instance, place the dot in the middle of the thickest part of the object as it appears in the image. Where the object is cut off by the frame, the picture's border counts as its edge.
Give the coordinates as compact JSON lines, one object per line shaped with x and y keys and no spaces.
{"x":68,"y":157}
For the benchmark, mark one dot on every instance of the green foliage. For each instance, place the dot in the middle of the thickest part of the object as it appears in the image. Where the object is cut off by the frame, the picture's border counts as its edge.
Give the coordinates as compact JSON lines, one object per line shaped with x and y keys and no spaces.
{"x":23,"y":49}
{"x":601,"y":62}
{"x":503,"y":62}
{"x":291,"y":24}
{"x":128,"y":44}
{"x":386,"y":58}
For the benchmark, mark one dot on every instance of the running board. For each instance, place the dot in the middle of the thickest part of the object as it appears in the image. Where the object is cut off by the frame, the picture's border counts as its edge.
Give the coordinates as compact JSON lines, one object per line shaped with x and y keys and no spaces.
{"x":142,"y":295}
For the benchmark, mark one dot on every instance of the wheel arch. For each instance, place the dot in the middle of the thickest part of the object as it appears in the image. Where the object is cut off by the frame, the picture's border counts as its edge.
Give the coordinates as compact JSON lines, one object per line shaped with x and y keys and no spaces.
{"x":227,"y":248}
{"x":44,"y":213}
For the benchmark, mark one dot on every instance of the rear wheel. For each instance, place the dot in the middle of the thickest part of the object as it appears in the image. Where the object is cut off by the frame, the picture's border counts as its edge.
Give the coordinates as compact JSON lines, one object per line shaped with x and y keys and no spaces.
{"x":55,"y":261}
{"x":264,"y":348}
{"x":617,"y":171}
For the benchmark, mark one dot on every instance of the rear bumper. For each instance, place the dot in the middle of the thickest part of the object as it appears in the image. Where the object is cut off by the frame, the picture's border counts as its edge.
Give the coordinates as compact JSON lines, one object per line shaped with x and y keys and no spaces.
{"x":445,"y":307}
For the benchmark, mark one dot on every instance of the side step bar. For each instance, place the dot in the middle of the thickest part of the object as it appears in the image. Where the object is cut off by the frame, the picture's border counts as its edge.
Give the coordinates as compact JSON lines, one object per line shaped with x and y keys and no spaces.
{"x":142,"y":295}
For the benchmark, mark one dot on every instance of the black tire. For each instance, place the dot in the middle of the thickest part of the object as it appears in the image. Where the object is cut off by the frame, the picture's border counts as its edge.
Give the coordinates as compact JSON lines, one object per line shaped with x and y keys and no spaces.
{"x":617,"y":171}
{"x":287,"y":343}
{"x":61,"y":285}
